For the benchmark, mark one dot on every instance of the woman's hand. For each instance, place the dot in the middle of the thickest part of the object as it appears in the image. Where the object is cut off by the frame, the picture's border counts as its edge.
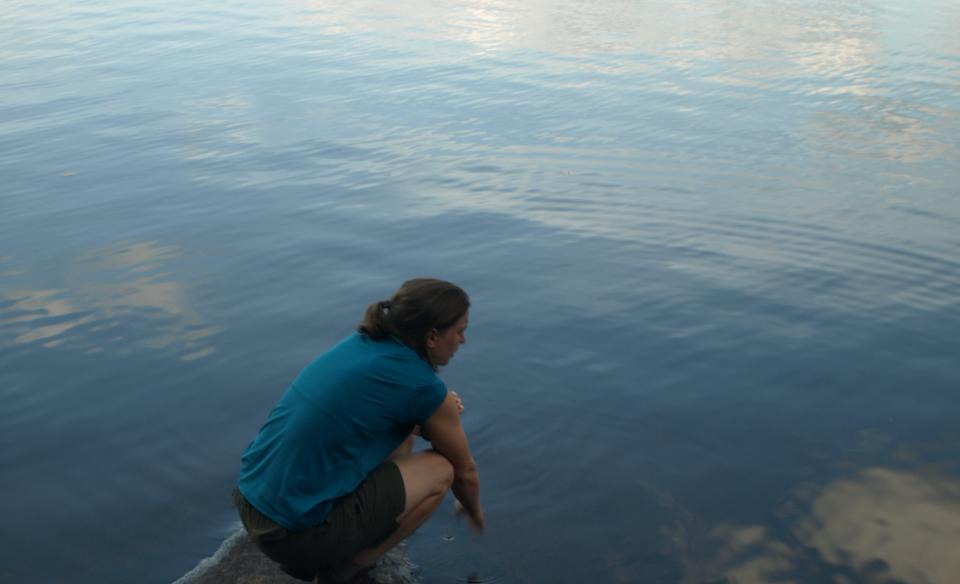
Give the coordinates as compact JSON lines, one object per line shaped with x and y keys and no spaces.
{"x":477,"y":520}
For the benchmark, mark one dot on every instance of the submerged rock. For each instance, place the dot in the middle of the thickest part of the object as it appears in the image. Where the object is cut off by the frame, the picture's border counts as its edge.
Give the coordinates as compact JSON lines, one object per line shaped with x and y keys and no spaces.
{"x":238,"y":561}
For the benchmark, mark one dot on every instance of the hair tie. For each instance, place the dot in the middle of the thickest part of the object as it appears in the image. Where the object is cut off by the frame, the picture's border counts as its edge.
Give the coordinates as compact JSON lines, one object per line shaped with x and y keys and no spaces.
{"x":385,"y":305}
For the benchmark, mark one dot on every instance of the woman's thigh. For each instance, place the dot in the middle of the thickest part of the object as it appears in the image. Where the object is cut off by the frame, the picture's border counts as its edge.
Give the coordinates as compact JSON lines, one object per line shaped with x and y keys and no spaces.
{"x":425,"y":475}
{"x":368,"y":515}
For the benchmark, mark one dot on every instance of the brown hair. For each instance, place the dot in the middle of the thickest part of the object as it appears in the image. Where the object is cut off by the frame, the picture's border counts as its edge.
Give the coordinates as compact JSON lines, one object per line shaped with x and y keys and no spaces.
{"x":417,"y":307}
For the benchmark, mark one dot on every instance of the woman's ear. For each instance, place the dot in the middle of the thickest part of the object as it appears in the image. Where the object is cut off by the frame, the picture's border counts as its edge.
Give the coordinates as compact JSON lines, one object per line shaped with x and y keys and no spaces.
{"x":432,"y":338}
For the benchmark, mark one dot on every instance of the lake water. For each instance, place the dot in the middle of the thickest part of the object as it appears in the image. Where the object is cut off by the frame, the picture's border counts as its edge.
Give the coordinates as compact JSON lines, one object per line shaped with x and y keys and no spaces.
{"x":713,"y":249}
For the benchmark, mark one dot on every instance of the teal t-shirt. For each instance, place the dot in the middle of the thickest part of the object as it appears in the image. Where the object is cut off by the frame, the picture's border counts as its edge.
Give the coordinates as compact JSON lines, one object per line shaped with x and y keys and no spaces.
{"x":340,"y":418}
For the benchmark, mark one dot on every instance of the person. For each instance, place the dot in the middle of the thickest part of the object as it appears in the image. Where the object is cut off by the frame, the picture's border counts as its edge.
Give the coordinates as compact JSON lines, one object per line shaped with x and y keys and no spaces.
{"x":331,"y":482}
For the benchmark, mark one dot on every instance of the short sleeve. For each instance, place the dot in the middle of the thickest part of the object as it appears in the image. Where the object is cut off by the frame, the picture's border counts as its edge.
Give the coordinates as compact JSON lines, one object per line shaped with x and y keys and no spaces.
{"x":407,"y":387}
{"x":426,"y":400}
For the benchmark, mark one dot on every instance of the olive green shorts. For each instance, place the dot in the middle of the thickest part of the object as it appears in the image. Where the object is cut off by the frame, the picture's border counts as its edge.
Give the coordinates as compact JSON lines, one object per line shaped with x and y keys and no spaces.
{"x":357,"y":521}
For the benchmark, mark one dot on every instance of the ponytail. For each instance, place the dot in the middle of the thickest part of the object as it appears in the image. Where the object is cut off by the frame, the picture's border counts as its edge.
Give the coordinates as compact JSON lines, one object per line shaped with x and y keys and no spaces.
{"x":374,"y":323}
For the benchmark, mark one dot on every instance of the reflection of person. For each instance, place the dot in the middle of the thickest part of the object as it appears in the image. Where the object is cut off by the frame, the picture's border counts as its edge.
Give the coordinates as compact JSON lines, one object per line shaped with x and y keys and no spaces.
{"x":330,"y":482}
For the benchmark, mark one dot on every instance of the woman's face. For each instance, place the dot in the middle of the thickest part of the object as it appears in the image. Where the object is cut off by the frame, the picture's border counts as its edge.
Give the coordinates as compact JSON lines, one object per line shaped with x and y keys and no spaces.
{"x":442,"y":345}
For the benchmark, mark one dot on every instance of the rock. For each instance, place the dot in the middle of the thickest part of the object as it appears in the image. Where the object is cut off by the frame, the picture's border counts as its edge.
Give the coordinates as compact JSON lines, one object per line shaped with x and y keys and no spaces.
{"x":238,"y":561}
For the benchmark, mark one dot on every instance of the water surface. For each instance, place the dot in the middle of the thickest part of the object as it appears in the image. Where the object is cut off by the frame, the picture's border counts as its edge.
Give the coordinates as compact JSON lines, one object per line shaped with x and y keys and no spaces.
{"x":712,"y":249}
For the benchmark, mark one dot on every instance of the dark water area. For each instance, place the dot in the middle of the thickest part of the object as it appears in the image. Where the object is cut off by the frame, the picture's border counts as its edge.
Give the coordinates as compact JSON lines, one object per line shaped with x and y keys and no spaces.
{"x":713,"y":250}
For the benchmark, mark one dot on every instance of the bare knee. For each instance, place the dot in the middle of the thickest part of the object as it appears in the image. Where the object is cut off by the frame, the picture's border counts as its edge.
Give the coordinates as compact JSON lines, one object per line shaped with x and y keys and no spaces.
{"x":426,"y":475}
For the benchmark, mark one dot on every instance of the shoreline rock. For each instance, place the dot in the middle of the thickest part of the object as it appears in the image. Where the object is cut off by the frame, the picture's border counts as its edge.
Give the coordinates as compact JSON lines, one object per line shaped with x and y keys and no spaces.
{"x":238,"y":561}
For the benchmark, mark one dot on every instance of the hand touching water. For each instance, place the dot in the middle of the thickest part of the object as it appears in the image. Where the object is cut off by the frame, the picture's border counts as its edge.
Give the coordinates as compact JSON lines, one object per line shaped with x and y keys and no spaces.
{"x":477,"y":520}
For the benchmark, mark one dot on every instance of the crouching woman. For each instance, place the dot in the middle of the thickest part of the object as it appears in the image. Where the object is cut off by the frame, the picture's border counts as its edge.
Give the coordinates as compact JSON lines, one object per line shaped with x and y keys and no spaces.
{"x":330,"y":483}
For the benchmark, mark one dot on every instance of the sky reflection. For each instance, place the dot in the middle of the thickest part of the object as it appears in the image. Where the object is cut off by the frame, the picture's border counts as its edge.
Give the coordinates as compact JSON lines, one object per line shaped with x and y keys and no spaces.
{"x":102,"y":288}
{"x":881,"y":525}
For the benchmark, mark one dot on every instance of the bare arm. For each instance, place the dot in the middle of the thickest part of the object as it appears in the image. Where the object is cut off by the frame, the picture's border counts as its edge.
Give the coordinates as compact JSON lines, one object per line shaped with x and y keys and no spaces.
{"x":418,"y":431}
{"x":448,"y":438}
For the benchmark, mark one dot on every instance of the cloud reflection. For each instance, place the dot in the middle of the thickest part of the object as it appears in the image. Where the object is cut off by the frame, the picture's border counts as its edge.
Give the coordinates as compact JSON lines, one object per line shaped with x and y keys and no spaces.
{"x":885,"y":129}
{"x":881,"y":525}
{"x":40,"y":315}
{"x":106,"y":287}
